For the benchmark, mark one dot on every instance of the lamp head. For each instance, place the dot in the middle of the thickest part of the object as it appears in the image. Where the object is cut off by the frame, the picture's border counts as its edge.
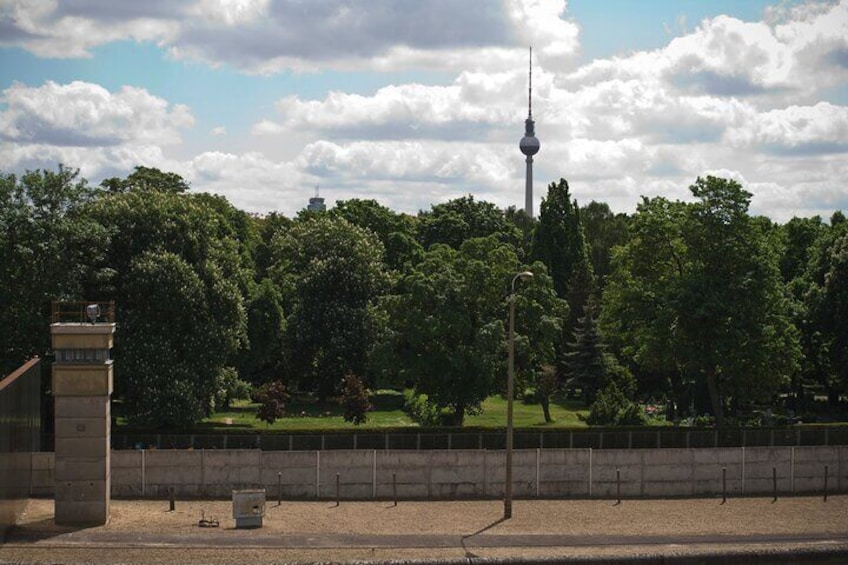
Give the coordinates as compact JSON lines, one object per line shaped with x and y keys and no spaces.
{"x":523,"y":275}
{"x":93,"y":312}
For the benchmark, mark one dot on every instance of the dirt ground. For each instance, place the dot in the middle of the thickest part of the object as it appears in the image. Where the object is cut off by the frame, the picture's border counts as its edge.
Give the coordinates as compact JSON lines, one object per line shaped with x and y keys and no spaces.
{"x":145,"y":531}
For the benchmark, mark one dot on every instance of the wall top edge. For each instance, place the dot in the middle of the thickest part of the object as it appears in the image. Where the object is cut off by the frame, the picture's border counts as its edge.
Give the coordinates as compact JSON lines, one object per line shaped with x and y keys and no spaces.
{"x":82,"y":328}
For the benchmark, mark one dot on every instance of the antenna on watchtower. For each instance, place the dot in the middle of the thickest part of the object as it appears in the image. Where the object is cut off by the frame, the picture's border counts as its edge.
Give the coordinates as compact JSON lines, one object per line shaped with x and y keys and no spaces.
{"x":316,"y":191}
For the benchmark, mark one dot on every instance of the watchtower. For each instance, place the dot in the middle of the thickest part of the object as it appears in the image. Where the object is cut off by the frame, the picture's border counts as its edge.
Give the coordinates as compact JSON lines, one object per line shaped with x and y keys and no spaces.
{"x":82,"y":337}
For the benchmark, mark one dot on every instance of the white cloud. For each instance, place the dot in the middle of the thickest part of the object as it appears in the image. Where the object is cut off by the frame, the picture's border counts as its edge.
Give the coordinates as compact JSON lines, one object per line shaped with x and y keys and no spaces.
{"x":822,"y":128}
{"x":231,"y":13}
{"x":49,"y":28}
{"x":264,"y":36}
{"x":85,"y":114}
{"x":740,"y":99}
{"x":84,"y":125}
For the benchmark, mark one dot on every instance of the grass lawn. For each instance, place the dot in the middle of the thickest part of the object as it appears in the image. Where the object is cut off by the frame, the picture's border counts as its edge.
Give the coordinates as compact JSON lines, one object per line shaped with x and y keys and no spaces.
{"x":388,"y":414}
{"x":564,"y":413}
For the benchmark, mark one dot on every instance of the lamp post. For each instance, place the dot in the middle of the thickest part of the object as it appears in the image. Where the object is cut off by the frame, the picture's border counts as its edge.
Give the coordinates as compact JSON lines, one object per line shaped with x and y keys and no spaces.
{"x":524,"y":275}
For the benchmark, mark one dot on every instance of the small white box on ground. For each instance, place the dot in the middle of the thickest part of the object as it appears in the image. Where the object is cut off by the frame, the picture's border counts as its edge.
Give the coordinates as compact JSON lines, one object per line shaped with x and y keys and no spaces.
{"x":249,"y":507}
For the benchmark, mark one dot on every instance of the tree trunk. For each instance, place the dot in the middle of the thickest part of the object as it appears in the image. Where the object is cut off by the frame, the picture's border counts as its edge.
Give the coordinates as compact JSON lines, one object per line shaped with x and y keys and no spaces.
{"x":715,"y":398}
{"x":458,"y":415}
{"x":546,"y":408}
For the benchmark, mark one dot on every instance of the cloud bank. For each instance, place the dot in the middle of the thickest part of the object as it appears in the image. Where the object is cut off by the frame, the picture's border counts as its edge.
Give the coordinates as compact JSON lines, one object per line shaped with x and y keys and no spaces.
{"x":759,"y":101}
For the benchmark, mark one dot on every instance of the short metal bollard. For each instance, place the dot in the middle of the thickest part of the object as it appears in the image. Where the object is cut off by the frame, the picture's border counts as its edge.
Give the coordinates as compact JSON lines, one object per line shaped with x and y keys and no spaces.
{"x":825,"y":483}
{"x":279,"y":489}
{"x":723,"y":485}
{"x":774,"y":482}
{"x":618,"y":485}
{"x":172,"y":499}
{"x":338,"y":491}
{"x":394,"y":487}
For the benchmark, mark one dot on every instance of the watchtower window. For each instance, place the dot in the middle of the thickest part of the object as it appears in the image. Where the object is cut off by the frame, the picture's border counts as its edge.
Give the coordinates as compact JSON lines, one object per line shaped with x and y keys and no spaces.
{"x":82,"y":355}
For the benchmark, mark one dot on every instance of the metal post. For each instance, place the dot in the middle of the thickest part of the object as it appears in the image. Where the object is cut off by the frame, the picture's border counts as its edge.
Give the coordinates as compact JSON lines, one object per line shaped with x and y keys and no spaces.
{"x":394,"y":487}
{"x":723,"y":485}
{"x":825,"y":483}
{"x":618,"y":484}
{"x":172,"y":499}
{"x":338,"y":491}
{"x":279,"y":489}
{"x":774,"y":482}
{"x":509,"y":394}
{"x":508,"y":480}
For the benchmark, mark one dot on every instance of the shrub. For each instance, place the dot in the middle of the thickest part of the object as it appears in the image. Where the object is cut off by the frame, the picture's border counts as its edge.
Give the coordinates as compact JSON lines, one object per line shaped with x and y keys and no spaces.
{"x":421,"y":411}
{"x":229,"y":388}
{"x":613,"y":408}
{"x":272,"y":398}
{"x":354,"y":400}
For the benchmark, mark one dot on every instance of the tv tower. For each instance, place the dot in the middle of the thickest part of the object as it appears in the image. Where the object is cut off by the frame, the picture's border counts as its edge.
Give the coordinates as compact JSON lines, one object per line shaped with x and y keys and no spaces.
{"x":529,"y":145}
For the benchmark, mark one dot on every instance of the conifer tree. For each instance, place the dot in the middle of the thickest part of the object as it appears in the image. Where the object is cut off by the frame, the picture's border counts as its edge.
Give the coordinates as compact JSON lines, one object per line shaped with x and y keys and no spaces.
{"x":560,"y":244}
{"x":587,"y":364}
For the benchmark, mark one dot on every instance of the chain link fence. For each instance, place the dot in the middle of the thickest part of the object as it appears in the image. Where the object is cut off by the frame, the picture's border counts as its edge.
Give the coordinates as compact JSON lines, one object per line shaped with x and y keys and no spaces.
{"x":420,"y":439}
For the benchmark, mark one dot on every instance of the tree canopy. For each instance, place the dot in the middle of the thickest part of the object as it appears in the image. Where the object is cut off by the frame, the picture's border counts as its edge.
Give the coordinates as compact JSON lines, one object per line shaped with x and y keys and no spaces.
{"x":696,"y":302}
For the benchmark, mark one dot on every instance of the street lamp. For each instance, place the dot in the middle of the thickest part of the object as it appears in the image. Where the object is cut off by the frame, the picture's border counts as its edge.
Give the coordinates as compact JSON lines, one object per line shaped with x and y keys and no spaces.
{"x":524,"y":275}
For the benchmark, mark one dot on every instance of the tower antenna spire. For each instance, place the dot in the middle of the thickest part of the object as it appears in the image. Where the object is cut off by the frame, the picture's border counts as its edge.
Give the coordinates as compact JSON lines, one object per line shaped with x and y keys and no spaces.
{"x":530,"y":88}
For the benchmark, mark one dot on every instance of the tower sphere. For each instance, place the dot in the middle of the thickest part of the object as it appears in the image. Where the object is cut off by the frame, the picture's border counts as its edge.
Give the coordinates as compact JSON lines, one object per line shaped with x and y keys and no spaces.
{"x":529,"y":145}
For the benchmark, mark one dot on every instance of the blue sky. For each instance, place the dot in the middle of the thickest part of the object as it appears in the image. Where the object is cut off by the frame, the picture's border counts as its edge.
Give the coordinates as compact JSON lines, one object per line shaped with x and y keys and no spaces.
{"x":415,"y":103}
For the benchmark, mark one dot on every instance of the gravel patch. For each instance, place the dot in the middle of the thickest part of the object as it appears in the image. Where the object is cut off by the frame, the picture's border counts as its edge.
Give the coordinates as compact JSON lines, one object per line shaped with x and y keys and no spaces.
{"x":146,"y":532}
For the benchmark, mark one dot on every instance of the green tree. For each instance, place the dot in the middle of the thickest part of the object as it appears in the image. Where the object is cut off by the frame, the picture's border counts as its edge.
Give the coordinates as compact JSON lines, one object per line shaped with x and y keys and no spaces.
{"x":460,"y":219}
{"x":174,"y":341}
{"x":559,"y":243}
{"x":200,"y":236}
{"x":396,"y":231}
{"x":826,"y":308}
{"x":525,"y":225}
{"x":146,"y":178}
{"x":639,"y":314}
{"x":448,"y":321}
{"x":539,"y":314}
{"x":587,"y":362}
{"x":547,"y":383}
{"x":268,"y":227}
{"x":697,"y":295}
{"x":262,"y":359}
{"x":604,"y":231}
{"x":332,"y":273}
{"x":48,"y":250}
{"x":801,"y":235}
{"x":734,"y":309}
{"x":229,"y":388}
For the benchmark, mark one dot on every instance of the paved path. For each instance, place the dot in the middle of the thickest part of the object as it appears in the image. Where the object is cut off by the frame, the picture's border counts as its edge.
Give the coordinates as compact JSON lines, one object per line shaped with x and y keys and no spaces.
{"x":231,"y":538}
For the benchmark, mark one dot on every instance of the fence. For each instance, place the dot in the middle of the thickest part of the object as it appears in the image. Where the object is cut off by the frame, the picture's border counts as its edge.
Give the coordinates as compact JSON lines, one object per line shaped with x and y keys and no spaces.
{"x":20,"y":431}
{"x":594,"y":438}
{"x":442,"y":474}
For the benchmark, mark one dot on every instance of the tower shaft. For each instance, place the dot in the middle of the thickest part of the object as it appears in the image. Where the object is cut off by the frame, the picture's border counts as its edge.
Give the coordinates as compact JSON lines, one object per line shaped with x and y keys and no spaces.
{"x":528,"y":188}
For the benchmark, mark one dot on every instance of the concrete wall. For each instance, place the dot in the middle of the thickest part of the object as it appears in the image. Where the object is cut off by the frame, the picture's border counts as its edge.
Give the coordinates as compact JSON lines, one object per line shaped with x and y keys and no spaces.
{"x":20,"y":432}
{"x":546,"y":473}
